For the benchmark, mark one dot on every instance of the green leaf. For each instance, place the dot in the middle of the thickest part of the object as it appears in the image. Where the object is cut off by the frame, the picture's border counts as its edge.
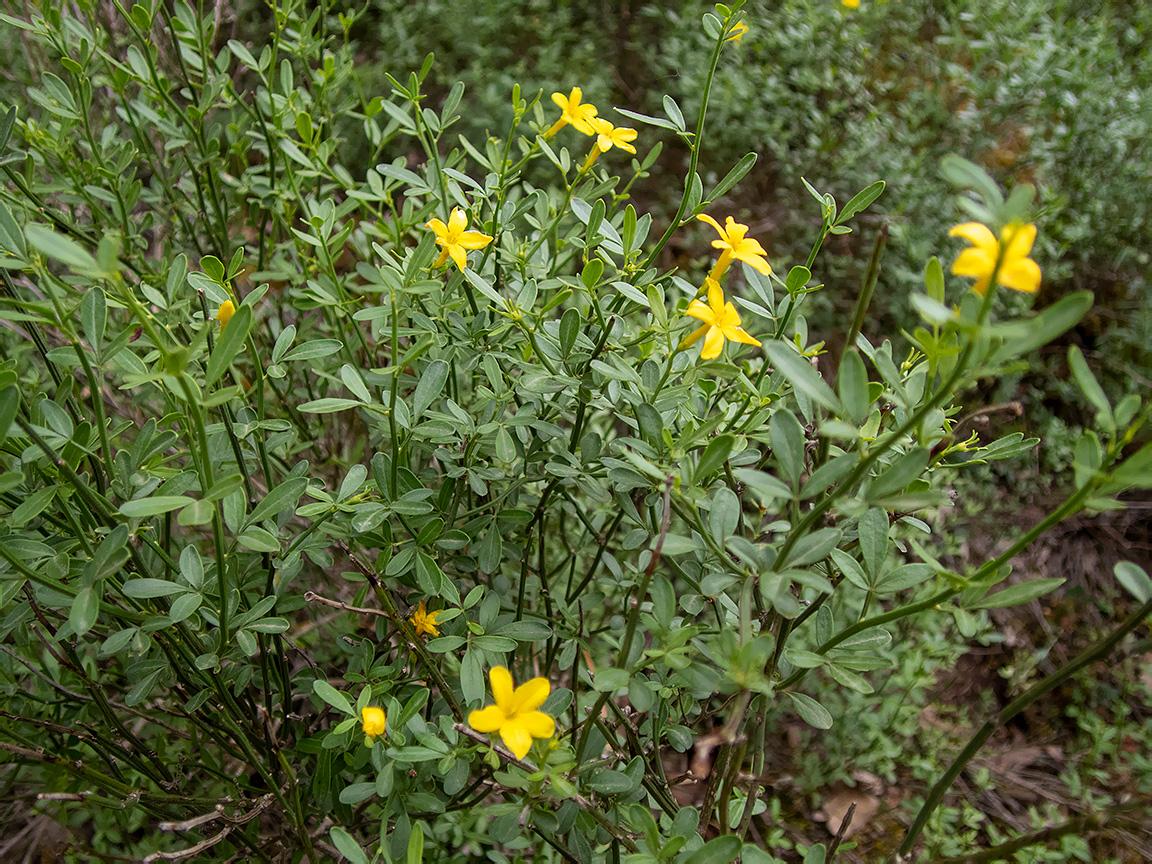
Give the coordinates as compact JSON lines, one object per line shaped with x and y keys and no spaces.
{"x":526,"y":631}
{"x":611,"y":783}
{"x":154,"y":506}
{"x":9,"y":405}
{"x":934,"y":279}
{"x":416,"y":843}
{"x":94,"y":315}
{"x":229,"y":344}
{"x":1090,"y":387}
{"x":347,"y":846}
{"x":1133,"y":578}
{"x":961,"y":172}
{"x":429,"y":386}
{"x":902,"y":472}
{"x":860,"y":201}
{"x":569,"y":328}
{"x":813,"y":547}
{"x":312,"y":350}
{"x":733,"y":177}
{"x":279,"y":499}
{"x":873,"y":531}
{"x":357,"y":792}
{"x":788,"y":441}
{"x":330,"y":405}
{"x":1021,"y":592}
{"x":11,"y":237}
{"x":722,"y":850}
{"x":145,"y":589}
{"x":332,"y":696}
{"x":713,"y":457}
{"x":1023,"y":335}
{"x":852,"y":384}
{"x":800,"y":374}
{"x":61,"y":248}
{"x":811,"y":711}
{"x":85,"y":609}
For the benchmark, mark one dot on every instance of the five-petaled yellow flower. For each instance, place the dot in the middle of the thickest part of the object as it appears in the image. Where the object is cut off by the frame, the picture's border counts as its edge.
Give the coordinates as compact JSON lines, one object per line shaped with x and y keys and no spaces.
{"x":737,"y":32}
{"x":609,"y":136}
{"x":424,"y":622}
{"x":574,"y":111}
{"x":721,"y":321}
{"x":1017,"y":270}
{"x":514,"y":715}
{"x":225,"y":312}
{"x":455,"y":239}
{"x":735,"y":245}
{"x":372,"y":720}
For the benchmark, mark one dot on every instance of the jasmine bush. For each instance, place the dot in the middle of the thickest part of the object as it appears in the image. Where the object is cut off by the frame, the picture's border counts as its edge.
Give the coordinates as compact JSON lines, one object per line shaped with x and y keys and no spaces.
{"x":418,"y":508}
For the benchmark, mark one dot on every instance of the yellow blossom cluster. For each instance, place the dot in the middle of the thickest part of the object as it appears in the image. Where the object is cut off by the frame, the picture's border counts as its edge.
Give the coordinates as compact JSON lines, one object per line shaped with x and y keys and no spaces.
{"x":721,"y":320}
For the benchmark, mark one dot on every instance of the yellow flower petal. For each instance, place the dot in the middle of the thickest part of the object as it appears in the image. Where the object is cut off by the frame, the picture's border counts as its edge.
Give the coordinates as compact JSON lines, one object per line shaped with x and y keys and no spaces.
{"x":225,"y":312}
{"x":473,"y":240}
{"x":458,"y":255}
{"x":538,"y":724}
{"x":531,"y":695}
{"x":487,"y":719}
{"x":1019,"y":240}
{"x":1022,"y":275}
{"x":372,"y":721}
{"x":502,"y":688}
{"x":457,"y":222}
{"x":439,"y":227}
{"x":715,"y":298}
{"x":976,"y":234}
{"x":700,"y":310}
{"x":737,"y":334}
{"x":516,"y":738}
{"x":975,"y":262}
{"x":713,"y":344}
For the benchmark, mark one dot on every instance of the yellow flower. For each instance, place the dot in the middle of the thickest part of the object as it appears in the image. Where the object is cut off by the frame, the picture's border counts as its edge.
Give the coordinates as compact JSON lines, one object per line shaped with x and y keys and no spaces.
{"x":609,"y":136}
{"x":372,"y":720}
{"x":514,"y":715}
{"x":734,"y":244}
{"x":225,"y":312}
{"x":574,"y":112}
{"x":424,"y":621}
{"x":455,"y":239}
{"x":1017,"y":270}
{"x":851,"y":4}
{"x":721,"y":321}
{"x":739,"y":29}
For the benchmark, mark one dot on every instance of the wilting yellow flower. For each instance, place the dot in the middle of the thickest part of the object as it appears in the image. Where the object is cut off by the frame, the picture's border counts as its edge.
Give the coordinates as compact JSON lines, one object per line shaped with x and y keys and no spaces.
{"x":372,"y":720}
{"x":734,"y":244}
{"x":574,"y":111}
{"x":455,"y":239}
{"x":609,"y":136}
{"x":514,"y":715}
{"x":721,"y":321}
{"x":738,"y":31}
{"x":1017,"y":270}
{"x":424,"y":622}
{"x":225,"y":312}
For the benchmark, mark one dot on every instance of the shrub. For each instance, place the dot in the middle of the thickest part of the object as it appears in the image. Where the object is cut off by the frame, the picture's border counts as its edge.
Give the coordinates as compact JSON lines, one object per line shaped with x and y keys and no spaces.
{"x":304,"y":473}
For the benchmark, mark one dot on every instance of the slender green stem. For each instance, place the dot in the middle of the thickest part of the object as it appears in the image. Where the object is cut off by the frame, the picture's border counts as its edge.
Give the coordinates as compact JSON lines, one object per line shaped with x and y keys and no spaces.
{"x":697,"y":144}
